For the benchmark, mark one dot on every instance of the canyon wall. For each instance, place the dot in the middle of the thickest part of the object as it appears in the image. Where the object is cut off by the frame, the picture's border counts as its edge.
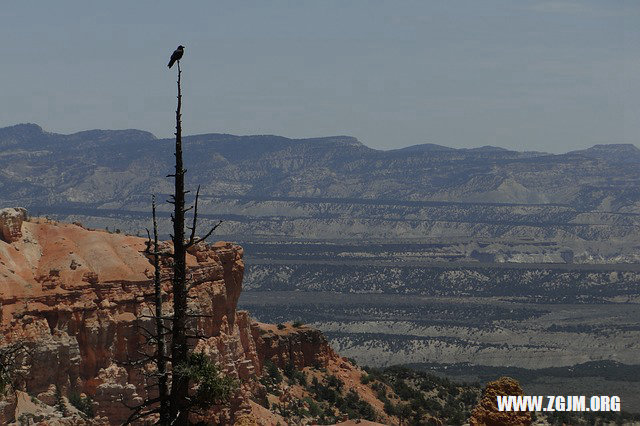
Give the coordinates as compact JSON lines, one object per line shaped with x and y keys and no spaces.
{"x":79,"y":301}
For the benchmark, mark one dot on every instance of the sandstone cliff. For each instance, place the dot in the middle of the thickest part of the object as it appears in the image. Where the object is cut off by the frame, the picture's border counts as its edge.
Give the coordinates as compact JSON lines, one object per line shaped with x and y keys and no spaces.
{"x":77,"y":299}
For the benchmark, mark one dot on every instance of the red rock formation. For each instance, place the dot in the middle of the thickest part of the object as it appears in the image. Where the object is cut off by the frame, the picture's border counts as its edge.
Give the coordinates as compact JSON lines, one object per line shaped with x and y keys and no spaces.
{"x":78,"y":298}
{"x":486,"y":412}
{"x":301,"y":346}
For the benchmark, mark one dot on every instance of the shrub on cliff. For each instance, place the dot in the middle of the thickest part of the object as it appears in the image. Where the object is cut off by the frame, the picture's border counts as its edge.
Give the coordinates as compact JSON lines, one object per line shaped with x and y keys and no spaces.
{"x":294,"y":375}
{"x":273,"y":371}
{"x":211,"y":386}
{"x":83,"y":404}
{"x":5,"y":379}
{"x":357,"y":408}
{"x":60,"y":405}
{"x":417,"y":397}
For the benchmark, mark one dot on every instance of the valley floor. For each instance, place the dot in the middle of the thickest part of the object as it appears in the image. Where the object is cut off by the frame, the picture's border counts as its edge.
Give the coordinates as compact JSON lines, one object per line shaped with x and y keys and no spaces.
{"x":552,"y":348}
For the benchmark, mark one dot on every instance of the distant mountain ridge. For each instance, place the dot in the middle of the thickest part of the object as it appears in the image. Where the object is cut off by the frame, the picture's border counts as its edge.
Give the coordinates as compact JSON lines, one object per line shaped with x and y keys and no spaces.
{"x":338,"y":166}
{"x":617,"y":152}
{"x":297,"y":185}
{"x":31,"y":132}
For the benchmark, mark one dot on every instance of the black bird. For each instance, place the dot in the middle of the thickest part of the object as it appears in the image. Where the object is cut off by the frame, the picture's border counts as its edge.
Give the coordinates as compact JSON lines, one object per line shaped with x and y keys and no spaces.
{"x":176,"y":55}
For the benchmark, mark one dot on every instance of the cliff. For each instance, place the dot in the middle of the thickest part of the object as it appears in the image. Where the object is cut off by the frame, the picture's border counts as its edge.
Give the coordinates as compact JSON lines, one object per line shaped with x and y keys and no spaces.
{"x":77,"y":300}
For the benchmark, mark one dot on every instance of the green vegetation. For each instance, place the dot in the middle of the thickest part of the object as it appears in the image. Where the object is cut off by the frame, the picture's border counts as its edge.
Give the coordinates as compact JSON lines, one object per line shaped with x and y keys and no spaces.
{"x":212,"y":387}
{"x":26,"y":419}
{"x":60,"y":405}
{"x":83,"y":404}
{"x":415,"y":396}
{"x":365,"y":379}
{"x":271,"y":378}
{"x":294,"y":375}
{"x":329,"y":400}
{"x":273,"y":371}
{"x":332,"y":392}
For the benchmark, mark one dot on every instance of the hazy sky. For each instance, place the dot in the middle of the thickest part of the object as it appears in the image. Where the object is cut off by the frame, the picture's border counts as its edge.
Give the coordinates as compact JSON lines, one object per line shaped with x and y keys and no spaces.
{"x":535,"y":75}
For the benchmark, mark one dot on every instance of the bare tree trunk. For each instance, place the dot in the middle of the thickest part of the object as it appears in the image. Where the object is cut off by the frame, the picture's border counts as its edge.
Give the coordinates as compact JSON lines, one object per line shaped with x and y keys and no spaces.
{"x":179,"y":349}
{"x":161,"y":362}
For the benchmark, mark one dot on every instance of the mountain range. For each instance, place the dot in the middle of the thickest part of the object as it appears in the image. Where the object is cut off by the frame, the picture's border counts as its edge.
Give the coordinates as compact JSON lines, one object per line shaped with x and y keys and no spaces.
{"x":267,"y":186}
{"x":105,"y":166}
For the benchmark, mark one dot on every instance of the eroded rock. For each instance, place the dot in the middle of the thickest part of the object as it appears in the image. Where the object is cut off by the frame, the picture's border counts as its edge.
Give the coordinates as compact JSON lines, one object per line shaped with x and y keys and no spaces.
{"x":11,"y":223}
{"x":78,"y":298}
{"x":486,"y":412}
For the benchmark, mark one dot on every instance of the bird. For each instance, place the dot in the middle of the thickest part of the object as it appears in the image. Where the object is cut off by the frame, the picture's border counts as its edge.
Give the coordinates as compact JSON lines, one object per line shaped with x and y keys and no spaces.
{"x":176,"y":55}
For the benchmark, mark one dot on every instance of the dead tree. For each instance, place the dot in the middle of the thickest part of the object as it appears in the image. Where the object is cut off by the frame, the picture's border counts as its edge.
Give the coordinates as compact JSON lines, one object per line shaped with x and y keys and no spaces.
{"x":180,"y":404}
{"x":14,"y":357}
{"x":179,"y":349}
{"x":155,"y":338}
{"x":161,"y":353}
{"x":175,"y":404}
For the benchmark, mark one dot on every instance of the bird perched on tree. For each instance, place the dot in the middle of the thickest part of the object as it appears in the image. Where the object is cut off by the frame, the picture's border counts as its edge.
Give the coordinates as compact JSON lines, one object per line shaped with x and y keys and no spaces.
{"x":176,"y":55}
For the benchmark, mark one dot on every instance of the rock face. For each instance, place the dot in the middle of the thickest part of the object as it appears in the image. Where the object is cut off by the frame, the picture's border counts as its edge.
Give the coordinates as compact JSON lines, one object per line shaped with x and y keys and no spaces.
{"x":78,"y":298}
{"x":486,"y":412}
{"x":300,"y":346}
{"x":11,"y":223}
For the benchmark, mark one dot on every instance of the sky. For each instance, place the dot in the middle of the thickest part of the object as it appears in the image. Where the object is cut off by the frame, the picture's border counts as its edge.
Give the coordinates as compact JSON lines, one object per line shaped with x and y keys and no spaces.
{"x":528,"y":75}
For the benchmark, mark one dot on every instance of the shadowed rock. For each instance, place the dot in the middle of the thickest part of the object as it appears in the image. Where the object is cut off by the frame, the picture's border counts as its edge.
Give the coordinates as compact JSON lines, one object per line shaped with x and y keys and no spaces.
{"x":11,"y":223}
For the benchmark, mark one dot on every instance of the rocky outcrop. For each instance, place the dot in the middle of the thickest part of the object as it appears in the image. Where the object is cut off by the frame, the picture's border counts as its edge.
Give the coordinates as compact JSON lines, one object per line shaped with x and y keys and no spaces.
{"x":11,"y":223}
{"x":8,"y":406}
{"x":299,"y":346}
{"x":78,"y":299}
{"x":486,"y":412}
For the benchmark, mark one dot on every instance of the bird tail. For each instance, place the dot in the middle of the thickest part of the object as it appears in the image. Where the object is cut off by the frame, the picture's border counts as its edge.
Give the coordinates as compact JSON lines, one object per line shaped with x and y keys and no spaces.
{"x":171,"y":63}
